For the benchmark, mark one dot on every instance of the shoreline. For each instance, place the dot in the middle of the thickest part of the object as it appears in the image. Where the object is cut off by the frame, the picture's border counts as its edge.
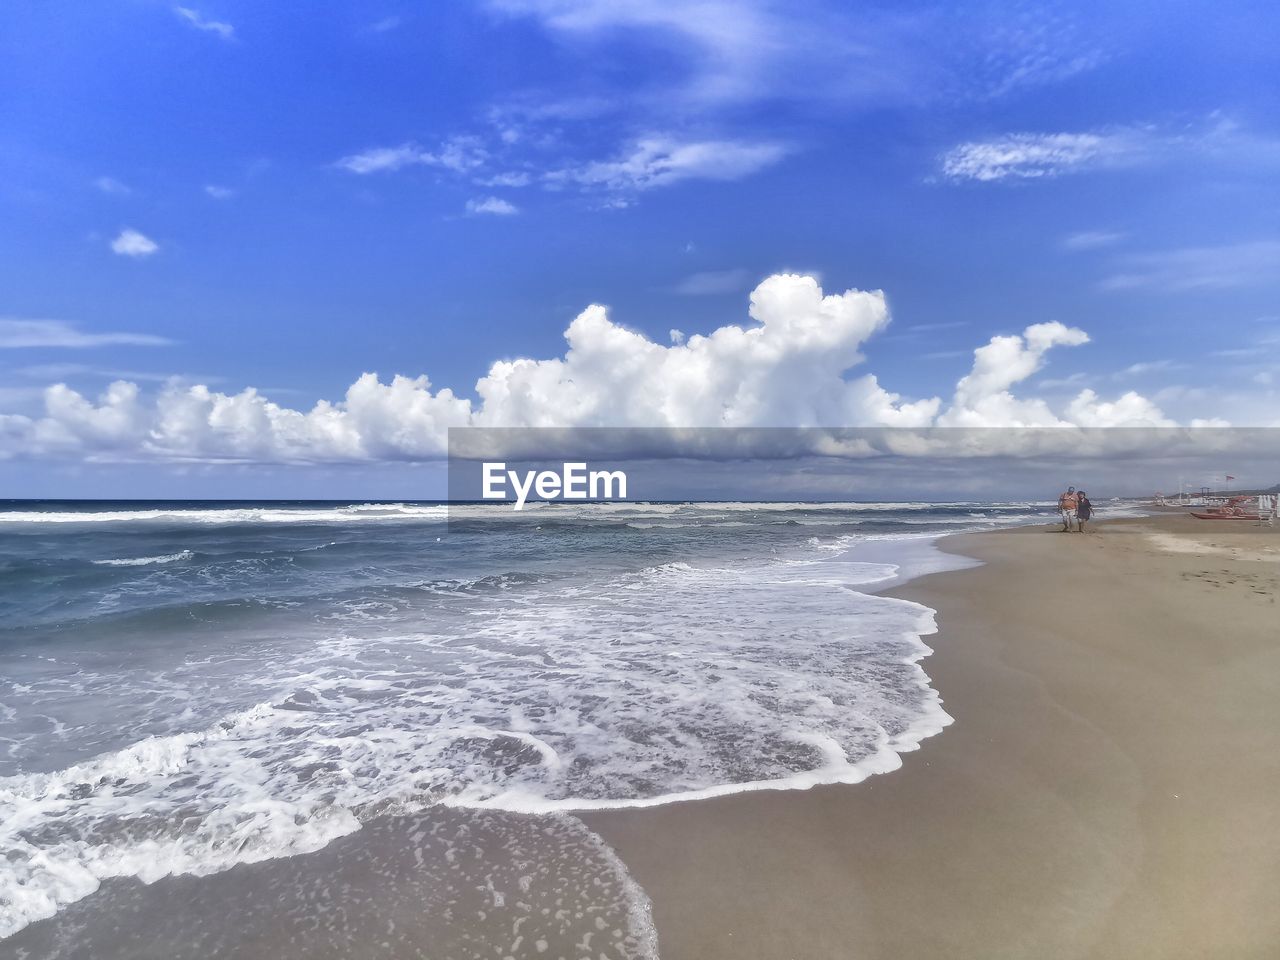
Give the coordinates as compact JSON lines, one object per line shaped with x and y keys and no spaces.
{"x":1107,"y":788}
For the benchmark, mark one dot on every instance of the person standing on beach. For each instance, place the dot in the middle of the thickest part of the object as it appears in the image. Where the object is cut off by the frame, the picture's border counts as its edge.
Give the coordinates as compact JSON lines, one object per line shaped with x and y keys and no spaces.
{"x":1084,"y":510}
{"x":1067,"y":504}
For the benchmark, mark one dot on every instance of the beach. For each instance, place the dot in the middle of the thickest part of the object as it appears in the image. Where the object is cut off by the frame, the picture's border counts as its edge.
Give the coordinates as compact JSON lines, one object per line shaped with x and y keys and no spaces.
{"x":1097,"y":781}
{"x":1108,"y":789}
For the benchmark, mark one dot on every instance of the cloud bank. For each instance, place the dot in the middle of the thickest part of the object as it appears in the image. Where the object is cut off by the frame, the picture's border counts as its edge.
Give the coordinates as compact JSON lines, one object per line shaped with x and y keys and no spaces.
{"x":792,"y":366}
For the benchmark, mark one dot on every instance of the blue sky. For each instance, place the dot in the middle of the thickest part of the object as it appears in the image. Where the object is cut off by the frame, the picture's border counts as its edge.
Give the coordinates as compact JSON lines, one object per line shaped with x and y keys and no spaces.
{"x":283,"y":197}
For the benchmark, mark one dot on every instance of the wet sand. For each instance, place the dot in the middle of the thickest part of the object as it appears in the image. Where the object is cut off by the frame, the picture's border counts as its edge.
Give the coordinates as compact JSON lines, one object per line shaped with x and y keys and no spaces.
{"x":440,"y":885}
{"x":1110,"y":787}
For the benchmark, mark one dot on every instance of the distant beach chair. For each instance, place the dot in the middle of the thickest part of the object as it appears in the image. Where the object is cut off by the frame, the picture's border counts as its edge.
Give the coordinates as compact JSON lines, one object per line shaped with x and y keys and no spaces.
{"x":1268,"y":508}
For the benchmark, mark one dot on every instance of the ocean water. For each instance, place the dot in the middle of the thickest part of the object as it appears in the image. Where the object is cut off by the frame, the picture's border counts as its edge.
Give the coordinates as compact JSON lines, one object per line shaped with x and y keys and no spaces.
{"x":188,"y":689}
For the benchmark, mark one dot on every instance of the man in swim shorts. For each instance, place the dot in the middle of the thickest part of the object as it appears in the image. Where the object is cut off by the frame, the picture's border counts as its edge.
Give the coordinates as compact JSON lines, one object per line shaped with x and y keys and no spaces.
{"x":1067,"y":507}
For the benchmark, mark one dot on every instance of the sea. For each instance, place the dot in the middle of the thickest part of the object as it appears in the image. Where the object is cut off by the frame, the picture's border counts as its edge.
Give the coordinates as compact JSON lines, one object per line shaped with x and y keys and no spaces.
{"x":364,"y":729}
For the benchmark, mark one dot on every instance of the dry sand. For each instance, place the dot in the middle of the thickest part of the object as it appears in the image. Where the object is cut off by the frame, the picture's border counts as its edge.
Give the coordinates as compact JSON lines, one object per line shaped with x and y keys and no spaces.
{"x":1110,"y":788}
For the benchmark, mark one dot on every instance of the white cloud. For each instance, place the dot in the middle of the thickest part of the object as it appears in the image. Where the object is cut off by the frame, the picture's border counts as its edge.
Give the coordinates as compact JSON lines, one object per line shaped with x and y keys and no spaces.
{"x":729,"y":46}
{"x":1092,"y":239}
{"x":378,"y":159}
{"x":112,"y":186}
{"x":1071,"y":381}
{"x":652,"y":161}
{"x":657,"y":161}
{"x":16,"y":333}
{"x":1198,"y":268}
{"x":1215,"y":140}
{"x":64,"y":371}
{"x":919,"y":328}
{"x":216,"y":192}
{"x":385,"y":25}
{"x":713,"y":282}
{"x":792,"y":366}
{"x":1145,"y":367}
{"x":224,"y":30}
{"x":1035,"y":155}
{"x":495,"y":206}
{"x":459,"y":154}
{"x":982,"y":397}
{"x":1130,"y":410}
{"x":509,"y":179}
{"x":785,"y":370}
{"x":131,"y":243}
{"x":734,"y":51}
{"x":1032,"y":46}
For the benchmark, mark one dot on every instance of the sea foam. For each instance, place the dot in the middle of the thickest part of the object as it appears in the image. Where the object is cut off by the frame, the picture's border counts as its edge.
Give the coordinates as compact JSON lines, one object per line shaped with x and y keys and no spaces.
{"x":145,"y":561}
{"x":674,"y":682}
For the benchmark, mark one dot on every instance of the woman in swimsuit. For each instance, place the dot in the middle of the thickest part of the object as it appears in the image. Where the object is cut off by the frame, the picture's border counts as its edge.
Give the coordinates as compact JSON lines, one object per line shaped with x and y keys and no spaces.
{"x":1084,"y":510}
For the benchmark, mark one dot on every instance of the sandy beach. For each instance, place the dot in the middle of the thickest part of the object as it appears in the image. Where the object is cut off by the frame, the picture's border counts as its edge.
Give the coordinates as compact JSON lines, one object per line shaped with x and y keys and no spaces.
{"x":1109,"y":787}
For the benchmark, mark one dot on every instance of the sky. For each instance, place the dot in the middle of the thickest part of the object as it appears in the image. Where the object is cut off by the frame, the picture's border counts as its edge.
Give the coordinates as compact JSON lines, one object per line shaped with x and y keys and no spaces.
{"x":279,"y":249}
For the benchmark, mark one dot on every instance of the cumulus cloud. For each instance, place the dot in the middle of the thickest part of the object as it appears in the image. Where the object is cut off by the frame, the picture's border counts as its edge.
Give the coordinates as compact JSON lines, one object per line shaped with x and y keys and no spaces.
{"x":1130,"y":410}
{"x":131,"y":243}
{"x":785,"y":370}
{"x":982,"y":397}
{"x":793,"y":365}
{"x":215,"y":192}
{"x":494,"y":206}
{"x":224,"y":30}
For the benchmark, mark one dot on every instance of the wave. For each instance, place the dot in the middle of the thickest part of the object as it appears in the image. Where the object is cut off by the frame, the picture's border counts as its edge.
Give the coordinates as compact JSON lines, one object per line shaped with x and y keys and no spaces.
{"x":145,"y":561}
{"x":362,"y":513}
{"x":534,"y":512}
